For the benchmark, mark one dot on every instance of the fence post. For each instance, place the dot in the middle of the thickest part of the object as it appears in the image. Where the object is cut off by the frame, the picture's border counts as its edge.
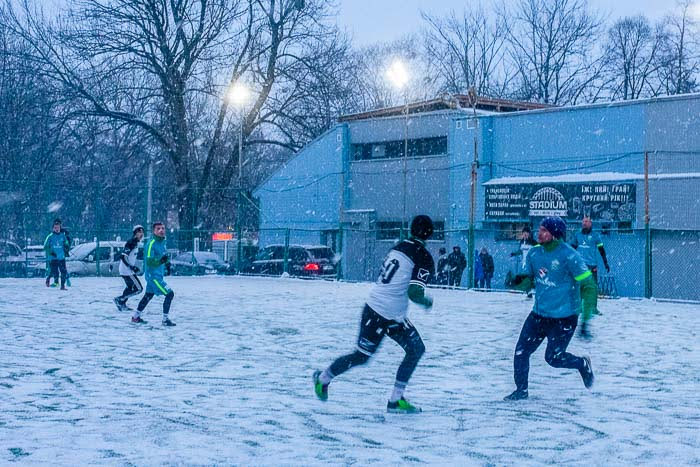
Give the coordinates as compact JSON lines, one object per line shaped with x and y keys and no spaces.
{"x":647,"y":231}
{"x":239,"y":249}
{"x":339,"y":272}
{"x":97,"y":235}
{"x":286,"y":250}
{"x":97,"y":253}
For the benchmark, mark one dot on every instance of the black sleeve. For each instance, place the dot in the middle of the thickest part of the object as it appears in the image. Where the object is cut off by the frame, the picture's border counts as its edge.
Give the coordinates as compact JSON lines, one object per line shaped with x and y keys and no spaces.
{"x":130,"y":245}
{"x":601,"y":249}
{"x":423,"y":267}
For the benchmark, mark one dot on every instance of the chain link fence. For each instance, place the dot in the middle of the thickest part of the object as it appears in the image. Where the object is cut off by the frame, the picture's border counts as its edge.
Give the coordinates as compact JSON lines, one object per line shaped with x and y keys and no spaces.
{"x":666,"y":268}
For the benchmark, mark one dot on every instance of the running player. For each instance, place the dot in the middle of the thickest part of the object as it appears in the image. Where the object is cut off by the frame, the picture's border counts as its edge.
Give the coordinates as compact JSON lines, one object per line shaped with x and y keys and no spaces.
{"x":128,"y":270}
{"x":561,"y":278}
{"x":406,"y":270}
{"x":155,"y":263}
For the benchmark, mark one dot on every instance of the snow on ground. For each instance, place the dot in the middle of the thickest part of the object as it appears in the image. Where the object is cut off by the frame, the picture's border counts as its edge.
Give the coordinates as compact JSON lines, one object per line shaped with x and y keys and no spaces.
{"x":231,"y":383}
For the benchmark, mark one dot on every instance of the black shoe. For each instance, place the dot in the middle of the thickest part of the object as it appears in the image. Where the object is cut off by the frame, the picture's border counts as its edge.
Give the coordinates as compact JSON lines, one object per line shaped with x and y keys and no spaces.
{"x":585,"y":333}
{"x":517,"y":395}
{"x":587,"y":373}
{"x":119,"y":303}
{"x":138,"y":320}
{"x":167,"y":322}
{"x":48,"y":282}
{"x":320,"y":389}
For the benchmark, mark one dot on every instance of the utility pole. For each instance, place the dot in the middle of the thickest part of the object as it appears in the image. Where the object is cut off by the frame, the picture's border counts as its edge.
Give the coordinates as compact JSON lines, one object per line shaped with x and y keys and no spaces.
{"x":647,"y":231}
{"x":472,"y":197}
{"x":149,"y":202}
{"x":239,"y":226}
{"x":404,"y":223}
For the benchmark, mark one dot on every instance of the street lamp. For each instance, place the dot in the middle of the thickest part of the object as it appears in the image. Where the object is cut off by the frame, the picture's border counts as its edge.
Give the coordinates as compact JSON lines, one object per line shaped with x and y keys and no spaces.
{"x":238,"y":96}
{"x":398,"y":76}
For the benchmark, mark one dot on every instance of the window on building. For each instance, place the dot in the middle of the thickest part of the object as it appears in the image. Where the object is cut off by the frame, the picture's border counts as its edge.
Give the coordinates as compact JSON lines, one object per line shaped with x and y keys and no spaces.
{"x":439,"y":230}
{"x":391,"y":230}
{"x":388,"y":230}
{"x":330,"y":238}
{"x":379,"y":151}
{"x":418,"y":147}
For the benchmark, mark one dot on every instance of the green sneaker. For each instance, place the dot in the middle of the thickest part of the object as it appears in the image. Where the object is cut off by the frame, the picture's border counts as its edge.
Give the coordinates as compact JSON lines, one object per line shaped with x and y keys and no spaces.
{"x":401,"y":406}
{"x":320,"y":389}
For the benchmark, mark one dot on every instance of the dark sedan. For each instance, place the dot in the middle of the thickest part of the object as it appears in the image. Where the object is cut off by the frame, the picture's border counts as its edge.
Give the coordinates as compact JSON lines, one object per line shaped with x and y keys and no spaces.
{"x":302,"y":261}
{"x":198,"y":263}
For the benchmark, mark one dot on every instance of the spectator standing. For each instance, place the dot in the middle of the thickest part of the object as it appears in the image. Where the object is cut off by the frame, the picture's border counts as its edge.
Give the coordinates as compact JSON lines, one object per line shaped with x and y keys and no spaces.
{"x":488,"y":267}
{"x":478,"y":270}
{"x":56,"y":246}
{"x":457,"y":262}
{"x":443,"y":270}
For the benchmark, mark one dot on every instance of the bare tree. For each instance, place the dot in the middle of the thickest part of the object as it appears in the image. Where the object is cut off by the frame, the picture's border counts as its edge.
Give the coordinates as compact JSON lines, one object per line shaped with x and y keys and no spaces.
{"x":632,"y":57}
{"x":174,"y":60}
{"x":680,"y":51}
{"x":552,"y":46}
{"x":467,"y":51}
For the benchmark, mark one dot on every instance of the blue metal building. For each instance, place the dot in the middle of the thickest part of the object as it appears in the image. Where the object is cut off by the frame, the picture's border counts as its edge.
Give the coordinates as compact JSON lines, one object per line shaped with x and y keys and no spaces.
{"x":530,"y":162}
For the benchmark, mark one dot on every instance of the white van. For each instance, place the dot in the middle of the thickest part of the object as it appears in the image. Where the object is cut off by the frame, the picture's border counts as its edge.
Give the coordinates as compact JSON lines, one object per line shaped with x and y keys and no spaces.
{"x":84,"y":258}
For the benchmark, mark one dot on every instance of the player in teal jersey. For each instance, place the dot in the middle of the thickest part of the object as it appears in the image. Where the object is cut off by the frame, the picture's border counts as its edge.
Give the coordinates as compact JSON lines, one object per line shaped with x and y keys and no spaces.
{"x":155,"y":263}
{"x":589,"y":244}
{"x":561,"y":279}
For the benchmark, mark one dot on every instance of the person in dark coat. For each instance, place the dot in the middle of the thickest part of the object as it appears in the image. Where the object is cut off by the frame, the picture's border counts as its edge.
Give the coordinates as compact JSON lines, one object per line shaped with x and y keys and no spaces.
{"x":488,"y":268}
{"x":457,"y":263}
{"x":478,"y":270}
{"x":443,"y":270}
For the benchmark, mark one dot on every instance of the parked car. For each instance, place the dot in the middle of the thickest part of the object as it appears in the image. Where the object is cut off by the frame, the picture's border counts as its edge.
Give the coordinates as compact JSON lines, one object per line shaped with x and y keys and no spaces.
{"x":303,"y":261}
{"x":12,"y":261}
{"x":84,"y":259}
{"x":36,"y":260}
{"x":198,"y":263}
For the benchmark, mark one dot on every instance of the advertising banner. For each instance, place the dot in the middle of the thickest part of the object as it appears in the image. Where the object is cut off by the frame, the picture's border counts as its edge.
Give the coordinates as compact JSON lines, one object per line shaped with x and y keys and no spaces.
{"x":614,"y":202}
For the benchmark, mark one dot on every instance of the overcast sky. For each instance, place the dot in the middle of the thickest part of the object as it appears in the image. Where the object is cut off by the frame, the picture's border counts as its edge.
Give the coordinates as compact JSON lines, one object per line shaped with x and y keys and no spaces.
{"x":384,"y":20}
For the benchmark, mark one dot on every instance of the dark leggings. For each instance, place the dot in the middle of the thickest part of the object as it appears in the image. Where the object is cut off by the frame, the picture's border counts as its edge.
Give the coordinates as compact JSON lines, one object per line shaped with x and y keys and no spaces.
{"x":558,"y":332}
{"x":149,"y":295}
{"x":56,"y":266}
{"x":133,"y":287}
{"x":373,"y":328}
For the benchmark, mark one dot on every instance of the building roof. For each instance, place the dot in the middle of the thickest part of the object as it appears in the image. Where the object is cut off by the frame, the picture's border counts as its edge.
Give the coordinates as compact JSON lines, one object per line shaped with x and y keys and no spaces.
{"x":588,"y":177}
{"x":448,"y":102}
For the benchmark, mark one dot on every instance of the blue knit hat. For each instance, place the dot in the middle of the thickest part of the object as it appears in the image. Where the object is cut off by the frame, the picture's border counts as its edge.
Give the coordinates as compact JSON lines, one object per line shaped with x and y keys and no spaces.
{"x":554,"y":225}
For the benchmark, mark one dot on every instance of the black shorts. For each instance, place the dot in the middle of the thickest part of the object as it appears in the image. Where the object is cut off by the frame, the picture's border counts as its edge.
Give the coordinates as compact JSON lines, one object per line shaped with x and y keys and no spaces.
{"x":374,"y":327}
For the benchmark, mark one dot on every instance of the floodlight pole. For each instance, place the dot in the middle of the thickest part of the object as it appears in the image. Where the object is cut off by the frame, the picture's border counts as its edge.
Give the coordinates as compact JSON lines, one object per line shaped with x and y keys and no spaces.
{"x":472,"y":200}
{"x":239,"y":227}
{"x":404,"y":227}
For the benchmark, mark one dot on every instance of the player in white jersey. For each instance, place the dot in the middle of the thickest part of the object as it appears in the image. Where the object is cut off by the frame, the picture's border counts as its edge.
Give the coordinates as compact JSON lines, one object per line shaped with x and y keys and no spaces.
{"x":406,"y":270}
{"x":128,"y":269}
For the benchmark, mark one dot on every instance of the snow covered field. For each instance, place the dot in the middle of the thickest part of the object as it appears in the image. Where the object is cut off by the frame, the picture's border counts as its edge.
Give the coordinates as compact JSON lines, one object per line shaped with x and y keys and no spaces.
{"x":231,"y":383}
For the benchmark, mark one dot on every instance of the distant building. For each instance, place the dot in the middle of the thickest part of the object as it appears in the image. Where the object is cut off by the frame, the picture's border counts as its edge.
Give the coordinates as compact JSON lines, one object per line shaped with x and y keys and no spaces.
{"x":532,"y":161}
